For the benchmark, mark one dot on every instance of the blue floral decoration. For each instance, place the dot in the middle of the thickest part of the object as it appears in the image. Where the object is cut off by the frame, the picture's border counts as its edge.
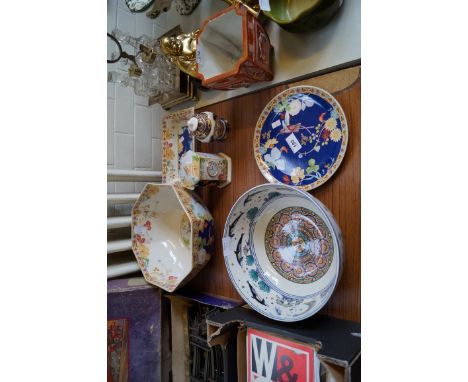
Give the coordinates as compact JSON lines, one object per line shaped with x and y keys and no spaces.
{"x":301,"y":139}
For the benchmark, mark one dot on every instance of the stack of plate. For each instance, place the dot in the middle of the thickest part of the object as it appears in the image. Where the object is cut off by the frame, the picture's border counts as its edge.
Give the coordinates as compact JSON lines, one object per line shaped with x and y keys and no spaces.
{"x":283,"y":251}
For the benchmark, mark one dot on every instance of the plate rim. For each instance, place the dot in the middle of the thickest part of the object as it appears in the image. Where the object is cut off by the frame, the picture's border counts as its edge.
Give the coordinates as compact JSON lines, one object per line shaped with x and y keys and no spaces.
{"x":331,"y":286}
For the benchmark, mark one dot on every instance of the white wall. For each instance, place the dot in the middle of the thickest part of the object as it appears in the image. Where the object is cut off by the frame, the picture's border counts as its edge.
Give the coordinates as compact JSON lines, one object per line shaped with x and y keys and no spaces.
{"x":133,"y":129}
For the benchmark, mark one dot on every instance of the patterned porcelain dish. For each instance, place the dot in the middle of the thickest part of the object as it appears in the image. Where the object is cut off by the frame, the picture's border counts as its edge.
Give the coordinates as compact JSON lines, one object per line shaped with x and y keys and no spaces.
{"x":176,"y":141}
{"x":300,"y":138}
{"x":172,"y":234}
{"x":202,"y":169}
{"x":283,"y":251}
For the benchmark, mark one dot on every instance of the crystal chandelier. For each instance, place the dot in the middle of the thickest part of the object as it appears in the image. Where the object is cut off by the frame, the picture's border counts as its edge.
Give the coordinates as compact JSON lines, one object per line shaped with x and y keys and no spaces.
{"x":148,"y":71}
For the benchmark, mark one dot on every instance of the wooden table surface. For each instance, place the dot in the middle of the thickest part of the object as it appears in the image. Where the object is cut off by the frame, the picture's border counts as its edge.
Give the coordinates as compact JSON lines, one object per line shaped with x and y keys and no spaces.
{"x":341,"y":194}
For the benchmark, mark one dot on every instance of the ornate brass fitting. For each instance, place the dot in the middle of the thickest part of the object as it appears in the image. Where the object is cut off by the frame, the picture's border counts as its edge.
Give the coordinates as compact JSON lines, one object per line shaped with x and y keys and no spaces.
{"x":134,"y":71}
{"x":182,"y":51}
{"x":148,"y":54}
{"x":251,"y":5}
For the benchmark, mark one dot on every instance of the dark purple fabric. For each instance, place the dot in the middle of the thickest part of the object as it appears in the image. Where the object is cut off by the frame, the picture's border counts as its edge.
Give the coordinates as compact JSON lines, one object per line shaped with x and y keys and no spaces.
{"x":141,"y":305}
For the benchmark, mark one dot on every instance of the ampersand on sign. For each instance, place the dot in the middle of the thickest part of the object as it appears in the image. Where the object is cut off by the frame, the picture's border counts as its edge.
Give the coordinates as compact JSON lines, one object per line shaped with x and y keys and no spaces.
{"x":286,"y":365}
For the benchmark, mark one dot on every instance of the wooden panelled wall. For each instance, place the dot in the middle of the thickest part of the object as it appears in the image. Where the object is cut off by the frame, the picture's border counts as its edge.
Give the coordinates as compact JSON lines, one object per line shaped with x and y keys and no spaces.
{"x":341,"y":194}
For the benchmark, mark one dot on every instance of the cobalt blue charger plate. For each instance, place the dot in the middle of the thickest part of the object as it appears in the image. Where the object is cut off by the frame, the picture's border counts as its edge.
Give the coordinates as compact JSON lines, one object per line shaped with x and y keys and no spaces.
{"x":300,"y":138}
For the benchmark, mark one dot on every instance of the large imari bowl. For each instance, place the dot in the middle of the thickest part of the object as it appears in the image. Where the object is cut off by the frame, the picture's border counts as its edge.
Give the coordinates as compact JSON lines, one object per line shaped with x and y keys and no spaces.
{"x":301,"y":137}
{"x":172,"y":234}
{"x":283,"y":251}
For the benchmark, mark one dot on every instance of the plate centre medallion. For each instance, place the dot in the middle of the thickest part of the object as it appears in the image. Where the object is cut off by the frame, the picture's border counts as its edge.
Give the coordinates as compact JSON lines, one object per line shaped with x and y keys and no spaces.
{"x":299,"y":245}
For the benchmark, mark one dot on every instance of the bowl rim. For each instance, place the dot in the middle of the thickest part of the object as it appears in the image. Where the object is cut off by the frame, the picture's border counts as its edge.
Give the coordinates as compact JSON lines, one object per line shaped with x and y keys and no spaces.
{"x":330,"y":219}
{"x":246,"y":16}
{"x":173,"y":186}
{"x":245,"y":55}
{"x":302,"y":14}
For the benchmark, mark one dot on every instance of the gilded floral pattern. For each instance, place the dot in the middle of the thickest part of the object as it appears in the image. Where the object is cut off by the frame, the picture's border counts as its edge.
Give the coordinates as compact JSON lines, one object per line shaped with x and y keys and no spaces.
{"x":176,"y":141}
{"x":301,"y":137}
{"x":201,"y":168}
{"x":299,"y":245}
{"x":196,"y":231}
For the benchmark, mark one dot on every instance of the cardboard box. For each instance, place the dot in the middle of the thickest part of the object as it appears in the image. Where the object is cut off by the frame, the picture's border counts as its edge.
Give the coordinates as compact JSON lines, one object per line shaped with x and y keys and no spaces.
{"x":337,"y":344}
{"x":182,"y":363}
{"x":137,"y":332}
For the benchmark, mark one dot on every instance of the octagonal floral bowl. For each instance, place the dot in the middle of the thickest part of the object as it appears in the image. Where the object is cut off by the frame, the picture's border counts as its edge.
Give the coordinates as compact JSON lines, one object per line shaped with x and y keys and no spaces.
{"x":283,"y":251}
{"x":172,"y":234}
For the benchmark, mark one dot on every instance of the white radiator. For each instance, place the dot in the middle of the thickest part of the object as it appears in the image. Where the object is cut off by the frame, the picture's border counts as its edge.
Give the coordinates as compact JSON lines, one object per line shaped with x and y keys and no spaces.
{"x":119,"y":265}
{"x":122,"y":198}
{"x":132,"y":176}
{"x":119,"y":222}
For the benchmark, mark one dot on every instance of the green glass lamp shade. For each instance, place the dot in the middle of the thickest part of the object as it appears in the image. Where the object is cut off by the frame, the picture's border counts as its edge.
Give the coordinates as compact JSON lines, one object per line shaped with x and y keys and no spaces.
{"x":302,"y":15}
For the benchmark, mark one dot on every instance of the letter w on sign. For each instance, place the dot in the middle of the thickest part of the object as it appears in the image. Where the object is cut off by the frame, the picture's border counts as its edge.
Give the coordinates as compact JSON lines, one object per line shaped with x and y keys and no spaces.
{"x":276,"y":359}
{"x":263,"y":358}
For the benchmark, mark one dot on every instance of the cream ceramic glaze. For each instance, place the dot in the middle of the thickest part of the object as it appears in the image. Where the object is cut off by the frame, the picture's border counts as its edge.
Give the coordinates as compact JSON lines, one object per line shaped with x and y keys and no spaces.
{"x":172,"y":235}
{"x":303,"y":236}
{"x":168,"y":238}
{"x":220,"y":47}
{"x":271,"y":276}
{"x":204,"y":168}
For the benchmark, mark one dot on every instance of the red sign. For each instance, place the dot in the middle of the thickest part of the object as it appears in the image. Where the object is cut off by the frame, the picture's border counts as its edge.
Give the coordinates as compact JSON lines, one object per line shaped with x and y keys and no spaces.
{"x":271,"y":358}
